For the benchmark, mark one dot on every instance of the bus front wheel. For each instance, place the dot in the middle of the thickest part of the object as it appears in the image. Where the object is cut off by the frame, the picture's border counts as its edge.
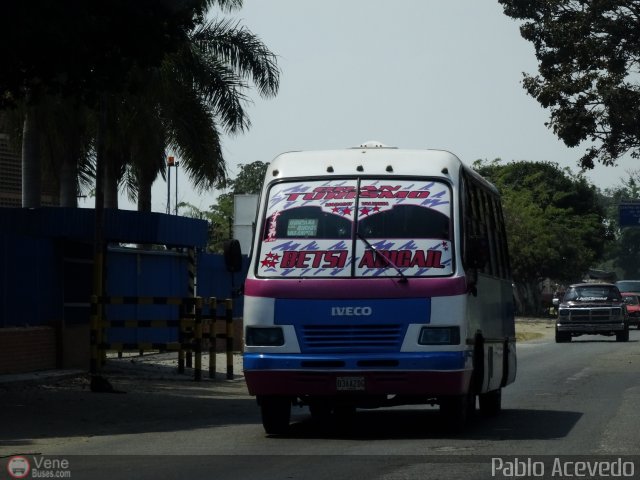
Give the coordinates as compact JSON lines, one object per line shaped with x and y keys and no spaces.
{"x":276,"y":413}
{"x":456,"y":410}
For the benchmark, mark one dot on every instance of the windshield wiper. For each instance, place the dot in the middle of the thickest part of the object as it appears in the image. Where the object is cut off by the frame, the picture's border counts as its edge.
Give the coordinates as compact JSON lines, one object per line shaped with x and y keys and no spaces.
{"x":403,"y":277}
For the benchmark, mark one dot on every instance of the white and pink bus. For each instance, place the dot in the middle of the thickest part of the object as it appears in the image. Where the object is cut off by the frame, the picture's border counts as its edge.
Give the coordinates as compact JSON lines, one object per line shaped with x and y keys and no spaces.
{"x":378,"y":277}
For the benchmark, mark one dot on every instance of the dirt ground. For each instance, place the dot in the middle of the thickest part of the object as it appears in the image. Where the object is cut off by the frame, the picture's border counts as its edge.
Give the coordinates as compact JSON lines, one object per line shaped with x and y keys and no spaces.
{"x":528,"y":329}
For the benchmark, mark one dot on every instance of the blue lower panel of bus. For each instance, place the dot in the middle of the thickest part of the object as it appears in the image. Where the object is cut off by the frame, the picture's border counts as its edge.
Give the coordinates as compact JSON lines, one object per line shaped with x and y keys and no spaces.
{"x":437,"y":361}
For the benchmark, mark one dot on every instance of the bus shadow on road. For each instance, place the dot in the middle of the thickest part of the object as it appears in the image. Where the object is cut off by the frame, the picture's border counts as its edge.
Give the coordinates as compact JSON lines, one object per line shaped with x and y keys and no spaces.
{"x":426,"y":423}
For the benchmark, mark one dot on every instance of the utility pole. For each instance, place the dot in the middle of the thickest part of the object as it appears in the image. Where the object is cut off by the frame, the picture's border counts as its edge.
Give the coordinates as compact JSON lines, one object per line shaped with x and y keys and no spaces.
{"x":177,"y":164}
{"x":170,"y":163}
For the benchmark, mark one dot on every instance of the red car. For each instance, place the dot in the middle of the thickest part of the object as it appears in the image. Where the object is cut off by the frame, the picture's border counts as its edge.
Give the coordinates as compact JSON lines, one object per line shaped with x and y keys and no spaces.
{"x":632,"y":300}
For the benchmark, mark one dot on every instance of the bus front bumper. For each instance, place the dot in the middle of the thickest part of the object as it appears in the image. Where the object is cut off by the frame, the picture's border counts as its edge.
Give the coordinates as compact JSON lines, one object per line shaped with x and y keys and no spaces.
{"x":430,"y":374}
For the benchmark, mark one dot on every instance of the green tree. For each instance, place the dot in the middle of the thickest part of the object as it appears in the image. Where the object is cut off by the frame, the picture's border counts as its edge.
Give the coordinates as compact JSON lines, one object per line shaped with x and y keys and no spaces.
{"x":220,"y":215}
{"x":588,"y":54}
{"x":84,"y":50}
{"x":64,"y":133}
{"x":622,"y":253}
{"x":250,"y":178}
{"x":178,"y":91}
{"x":554,"y":223}
{"x":196,"y":93}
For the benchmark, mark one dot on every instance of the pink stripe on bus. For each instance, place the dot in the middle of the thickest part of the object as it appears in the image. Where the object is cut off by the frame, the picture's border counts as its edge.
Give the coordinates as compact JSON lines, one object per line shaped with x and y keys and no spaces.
{"x":355,"y":288}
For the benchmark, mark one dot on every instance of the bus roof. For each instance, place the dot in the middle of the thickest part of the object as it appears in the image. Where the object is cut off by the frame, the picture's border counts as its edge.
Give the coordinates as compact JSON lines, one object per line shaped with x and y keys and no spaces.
{"x":369,"y":159}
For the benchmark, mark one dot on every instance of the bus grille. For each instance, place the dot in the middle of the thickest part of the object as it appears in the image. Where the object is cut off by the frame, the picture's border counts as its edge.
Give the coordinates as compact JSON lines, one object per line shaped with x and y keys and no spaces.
{"x":352,"y":338}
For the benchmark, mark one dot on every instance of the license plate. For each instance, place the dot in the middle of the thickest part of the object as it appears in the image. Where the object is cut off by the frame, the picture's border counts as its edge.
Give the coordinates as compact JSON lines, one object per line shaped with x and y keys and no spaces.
{"x":350,"y":384}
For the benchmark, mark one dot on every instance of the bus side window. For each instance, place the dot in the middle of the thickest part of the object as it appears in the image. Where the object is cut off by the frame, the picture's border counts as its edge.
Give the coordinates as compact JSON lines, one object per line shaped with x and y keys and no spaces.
{"x":483,"y":220}
{"x":475,"y":230}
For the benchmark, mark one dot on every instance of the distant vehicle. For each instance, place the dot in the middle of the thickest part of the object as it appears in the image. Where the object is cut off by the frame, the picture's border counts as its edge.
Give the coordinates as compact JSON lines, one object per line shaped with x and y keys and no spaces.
{"x":592,"y":309}
{"x":628,"y":286}
{"x":632,"y":300}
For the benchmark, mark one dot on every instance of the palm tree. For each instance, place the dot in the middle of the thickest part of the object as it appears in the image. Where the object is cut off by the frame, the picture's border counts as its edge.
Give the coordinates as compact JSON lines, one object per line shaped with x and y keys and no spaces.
{"x":68,"y":146}
{"x":196,"y":92}
{"x":184,"y":105}
{"x":31,"y":165}
{"x":56,"y":136}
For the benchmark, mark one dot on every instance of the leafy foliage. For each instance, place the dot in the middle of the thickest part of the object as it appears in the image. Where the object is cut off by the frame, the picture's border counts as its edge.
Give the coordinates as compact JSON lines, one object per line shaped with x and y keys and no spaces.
{"x":84,"y":47}
{"x":622,"y":253}
{"x":220,"y":215}
{"x":554,"y":220}
{"x":250,"y":178}
{"x":588,"y":56}
{"x":179,"y":84}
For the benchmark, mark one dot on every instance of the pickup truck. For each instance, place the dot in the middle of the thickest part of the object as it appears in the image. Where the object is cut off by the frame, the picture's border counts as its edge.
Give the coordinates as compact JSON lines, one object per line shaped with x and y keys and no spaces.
{"x":592,"y":309}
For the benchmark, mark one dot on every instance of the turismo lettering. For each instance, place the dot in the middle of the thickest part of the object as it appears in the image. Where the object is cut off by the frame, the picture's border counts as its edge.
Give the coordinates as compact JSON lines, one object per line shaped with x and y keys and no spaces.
{"x":368,"y":191}
{"x":402,"y":259}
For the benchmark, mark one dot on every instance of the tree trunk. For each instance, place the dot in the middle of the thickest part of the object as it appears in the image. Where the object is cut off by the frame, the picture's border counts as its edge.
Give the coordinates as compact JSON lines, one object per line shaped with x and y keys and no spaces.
{"x":110,"y":183}
{"x":31,"y":174}
{"x":144,"y":193}
{"x":69,"y":182}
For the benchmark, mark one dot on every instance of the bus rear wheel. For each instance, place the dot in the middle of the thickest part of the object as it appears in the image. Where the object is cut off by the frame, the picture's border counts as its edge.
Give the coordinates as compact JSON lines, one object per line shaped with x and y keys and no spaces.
{"x":490,"y":402}
{"x":276,"y":413}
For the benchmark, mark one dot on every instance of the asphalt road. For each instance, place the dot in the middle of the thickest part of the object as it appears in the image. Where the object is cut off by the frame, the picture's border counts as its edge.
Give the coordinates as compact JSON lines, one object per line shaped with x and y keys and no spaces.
{"x":576,"y":399}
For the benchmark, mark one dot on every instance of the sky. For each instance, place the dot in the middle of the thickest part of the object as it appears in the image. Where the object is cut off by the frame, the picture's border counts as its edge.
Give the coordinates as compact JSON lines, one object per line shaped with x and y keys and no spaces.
{"x":443,"y":74}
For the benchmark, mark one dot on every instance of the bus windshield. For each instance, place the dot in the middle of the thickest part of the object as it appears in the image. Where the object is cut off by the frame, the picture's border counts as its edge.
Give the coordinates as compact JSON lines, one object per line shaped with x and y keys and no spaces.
{"x":356,"y":228}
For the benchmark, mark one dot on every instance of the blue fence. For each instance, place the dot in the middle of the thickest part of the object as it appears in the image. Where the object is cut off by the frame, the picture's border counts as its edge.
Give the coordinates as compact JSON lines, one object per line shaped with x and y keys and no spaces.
{"x":46,"y":273}
{"x":30,"y":283}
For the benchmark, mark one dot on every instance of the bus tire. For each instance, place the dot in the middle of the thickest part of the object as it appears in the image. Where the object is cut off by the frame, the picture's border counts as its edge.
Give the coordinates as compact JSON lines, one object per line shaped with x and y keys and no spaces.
{"x":456,"y":410}
{"x":477,"y":378}
{"x":320,"y":411}
{"x":344,"y":413}
{"x":490,"y":402}
{"x":276,"y":413}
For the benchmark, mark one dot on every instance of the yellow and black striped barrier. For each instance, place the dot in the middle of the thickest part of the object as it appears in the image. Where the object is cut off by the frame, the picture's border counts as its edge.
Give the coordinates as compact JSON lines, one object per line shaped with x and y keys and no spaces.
{"x":194,"y":328}
{"x":212,"y":336}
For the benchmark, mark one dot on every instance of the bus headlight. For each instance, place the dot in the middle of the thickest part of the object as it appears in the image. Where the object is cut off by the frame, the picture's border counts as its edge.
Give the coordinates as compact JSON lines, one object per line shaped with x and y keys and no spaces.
{"x":264,"y":337}
{"x":439,"y":336}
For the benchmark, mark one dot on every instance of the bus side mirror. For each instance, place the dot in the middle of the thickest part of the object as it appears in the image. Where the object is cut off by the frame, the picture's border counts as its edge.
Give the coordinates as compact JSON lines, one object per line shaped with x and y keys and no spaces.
{"x":477,"y":252}
{"x":232,"y":256}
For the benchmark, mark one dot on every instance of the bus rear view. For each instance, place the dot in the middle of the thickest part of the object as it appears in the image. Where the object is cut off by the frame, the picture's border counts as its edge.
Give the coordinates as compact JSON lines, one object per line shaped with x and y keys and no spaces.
{"x":378,"y":277}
